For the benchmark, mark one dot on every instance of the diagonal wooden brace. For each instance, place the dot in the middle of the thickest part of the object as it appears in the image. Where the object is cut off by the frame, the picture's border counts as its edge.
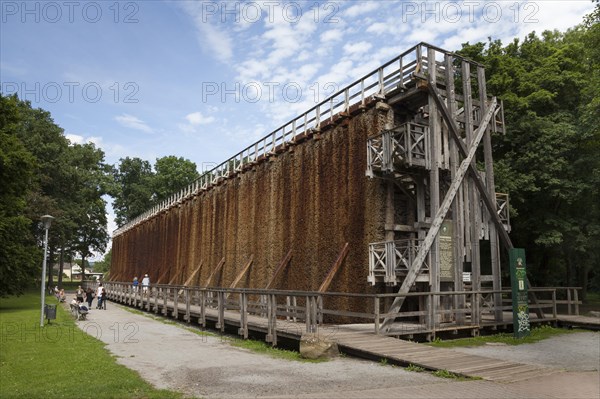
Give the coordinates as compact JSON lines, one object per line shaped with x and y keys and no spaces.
{"x":415,"y":268}
{"x":485,"y":195}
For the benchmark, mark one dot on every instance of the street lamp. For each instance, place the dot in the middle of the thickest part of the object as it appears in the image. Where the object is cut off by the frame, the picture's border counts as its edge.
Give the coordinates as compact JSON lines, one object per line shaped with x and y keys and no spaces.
{"x":47,"y":221}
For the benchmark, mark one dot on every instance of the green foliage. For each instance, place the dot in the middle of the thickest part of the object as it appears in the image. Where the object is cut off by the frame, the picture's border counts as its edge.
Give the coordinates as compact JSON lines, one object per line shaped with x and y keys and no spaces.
{"x":132,"y":192}
{"x":42,"y":173}
{"x":19,"y":255}
{"x":172,"y":174}
{"x":137,"y":188}
{"x":104,"y":265}
{"x":414,"y":368}
{"x":452,"y":376}
{"x":66,"y":362}
{"x":549,"y":159}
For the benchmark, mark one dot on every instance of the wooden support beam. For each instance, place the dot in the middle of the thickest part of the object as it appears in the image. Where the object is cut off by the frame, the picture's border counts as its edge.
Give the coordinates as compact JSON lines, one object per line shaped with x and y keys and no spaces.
{"x":279,"y":269}
{"x":214,"y":272}
{"x":173,"y":278}
{"x":194,"y":274}
{"x":334,"y":268}
{"x":242,"y":273}
{"x":158,"y":281}
{"x":424,"y":248}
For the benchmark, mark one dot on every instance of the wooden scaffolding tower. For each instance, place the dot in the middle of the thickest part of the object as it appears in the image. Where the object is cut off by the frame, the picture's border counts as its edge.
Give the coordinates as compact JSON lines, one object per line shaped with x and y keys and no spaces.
{"x":439,"y":206}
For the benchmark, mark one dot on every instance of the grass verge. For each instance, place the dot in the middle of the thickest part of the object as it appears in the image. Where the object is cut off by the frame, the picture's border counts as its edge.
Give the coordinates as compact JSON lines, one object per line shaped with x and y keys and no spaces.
{"x":59,"y":360}
{"x":537,"y":334}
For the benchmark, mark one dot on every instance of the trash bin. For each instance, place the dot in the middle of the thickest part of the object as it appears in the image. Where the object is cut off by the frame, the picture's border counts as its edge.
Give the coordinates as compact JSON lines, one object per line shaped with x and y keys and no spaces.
{"x":50,"y":311}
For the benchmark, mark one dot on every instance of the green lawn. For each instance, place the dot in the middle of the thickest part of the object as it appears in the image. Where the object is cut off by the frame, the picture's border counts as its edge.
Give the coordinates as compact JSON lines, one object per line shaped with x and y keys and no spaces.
{"x":59,"y":360}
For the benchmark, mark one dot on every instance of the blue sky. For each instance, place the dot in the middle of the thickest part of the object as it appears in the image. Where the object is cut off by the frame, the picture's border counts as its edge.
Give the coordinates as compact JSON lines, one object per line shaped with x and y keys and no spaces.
{"x":203,"y":80}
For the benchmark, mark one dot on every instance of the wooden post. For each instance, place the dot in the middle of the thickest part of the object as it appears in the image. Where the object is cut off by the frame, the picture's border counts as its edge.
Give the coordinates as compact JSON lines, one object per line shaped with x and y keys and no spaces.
{"x":202,"y":319}
{"x":167,"y":294}
{"x":376,"y":313}
{"x":188,"y":316}
{"x":243,"y":330}
{"x":435,"y":135}
{"x":221,"y":305}
{"x":158,"y":290}
{"x":175,"y":312}
{"x":576,"y":301}
{"x":334,"y":268}
{"x":554,"y":303}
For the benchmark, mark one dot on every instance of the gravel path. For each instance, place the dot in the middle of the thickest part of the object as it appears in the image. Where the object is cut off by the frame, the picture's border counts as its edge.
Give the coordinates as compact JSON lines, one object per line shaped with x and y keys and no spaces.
{"x":171,"y":357}
{"x":574,"y":352}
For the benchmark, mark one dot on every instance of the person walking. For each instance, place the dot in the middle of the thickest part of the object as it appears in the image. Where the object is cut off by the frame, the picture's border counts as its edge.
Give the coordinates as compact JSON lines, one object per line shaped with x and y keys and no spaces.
{"x":103,"y":299}
{"x":99,"y":296}
{"x":145,"y":284}
{"x":135,"y":284}
{"x":89,"y":297}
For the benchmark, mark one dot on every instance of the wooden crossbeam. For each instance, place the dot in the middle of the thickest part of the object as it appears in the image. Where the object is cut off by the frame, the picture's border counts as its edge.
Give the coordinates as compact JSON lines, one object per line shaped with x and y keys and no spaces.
{"x":219,"y":266}
{"x":279,"y":269}
{"x":334,"y":268}
{"x":242,"y":273}
{"x":424,"y":248}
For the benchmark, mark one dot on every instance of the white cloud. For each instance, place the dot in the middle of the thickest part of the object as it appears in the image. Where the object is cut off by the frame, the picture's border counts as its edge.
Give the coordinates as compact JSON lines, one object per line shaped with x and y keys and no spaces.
{"x":215,"y":41}
{"x":361,"y":8}
{"x":357,"y":48}
{"x":196,"y":118}
{"x":332,"y":35}
{"x":133,"y":122}
{"x":78,"y":139}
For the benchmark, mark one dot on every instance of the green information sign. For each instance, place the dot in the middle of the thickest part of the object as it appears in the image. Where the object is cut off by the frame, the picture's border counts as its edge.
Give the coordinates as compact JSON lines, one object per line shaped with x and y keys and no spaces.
{"x":518,"y":278}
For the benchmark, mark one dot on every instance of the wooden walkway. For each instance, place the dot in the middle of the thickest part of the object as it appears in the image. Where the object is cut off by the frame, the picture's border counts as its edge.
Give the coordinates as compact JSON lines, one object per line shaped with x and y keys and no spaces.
{"x":592,"y":323}
{"x":361,"y":341}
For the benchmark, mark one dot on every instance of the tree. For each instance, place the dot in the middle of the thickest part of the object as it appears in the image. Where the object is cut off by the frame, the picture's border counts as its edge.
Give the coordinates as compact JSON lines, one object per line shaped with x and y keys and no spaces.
{"x":137,"y":188}
{"x":46,"y":175}
{"x":132,"y":192}
{"x":103,"y":266}
{"x":19,"y":255}
{"x":548,"y":160}
{"x":172,"y":174}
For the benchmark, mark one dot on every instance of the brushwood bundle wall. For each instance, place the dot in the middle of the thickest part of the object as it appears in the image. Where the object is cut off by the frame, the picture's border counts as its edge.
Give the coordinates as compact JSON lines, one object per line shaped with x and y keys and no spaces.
{"x":311,"y":198}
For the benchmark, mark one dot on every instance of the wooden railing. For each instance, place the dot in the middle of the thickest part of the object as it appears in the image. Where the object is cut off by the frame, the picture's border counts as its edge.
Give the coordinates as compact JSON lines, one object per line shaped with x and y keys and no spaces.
{"x":394,"y":74}
{"x":444,"y":311}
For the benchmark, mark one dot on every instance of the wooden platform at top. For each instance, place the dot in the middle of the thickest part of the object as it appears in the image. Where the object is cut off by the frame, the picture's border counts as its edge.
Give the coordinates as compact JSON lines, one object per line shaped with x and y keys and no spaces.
{"x":361,"y":341}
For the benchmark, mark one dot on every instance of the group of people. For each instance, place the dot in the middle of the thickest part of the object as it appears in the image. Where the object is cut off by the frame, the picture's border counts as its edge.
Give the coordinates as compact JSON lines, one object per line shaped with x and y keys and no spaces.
{"x":88,"y":294}
{"x":145,"y":284}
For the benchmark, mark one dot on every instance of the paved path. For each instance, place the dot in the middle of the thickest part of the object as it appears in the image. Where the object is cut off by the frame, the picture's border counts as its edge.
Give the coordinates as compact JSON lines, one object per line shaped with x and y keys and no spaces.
{"x":172,"y":357}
